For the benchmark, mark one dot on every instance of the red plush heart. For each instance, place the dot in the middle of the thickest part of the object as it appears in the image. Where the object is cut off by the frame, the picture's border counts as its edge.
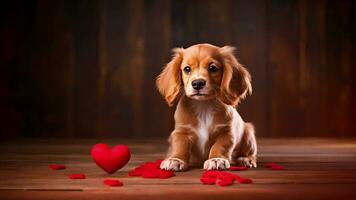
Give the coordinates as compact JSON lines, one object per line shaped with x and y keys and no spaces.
{"x":110,"y":160}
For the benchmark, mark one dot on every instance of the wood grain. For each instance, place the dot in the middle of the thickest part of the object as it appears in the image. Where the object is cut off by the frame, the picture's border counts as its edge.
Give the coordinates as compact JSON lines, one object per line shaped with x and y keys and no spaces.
{"x":87,"y":69}
{"x":314,"y":169}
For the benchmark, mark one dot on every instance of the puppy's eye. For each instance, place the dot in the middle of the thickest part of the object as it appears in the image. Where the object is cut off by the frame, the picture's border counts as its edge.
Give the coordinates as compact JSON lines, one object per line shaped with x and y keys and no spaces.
{"x":213,"y":68}
{"x":187,"y":69}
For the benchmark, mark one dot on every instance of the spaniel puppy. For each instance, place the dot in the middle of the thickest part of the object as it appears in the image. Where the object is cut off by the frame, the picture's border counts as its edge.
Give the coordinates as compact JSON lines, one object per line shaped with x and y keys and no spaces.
{"x":207,"y":82}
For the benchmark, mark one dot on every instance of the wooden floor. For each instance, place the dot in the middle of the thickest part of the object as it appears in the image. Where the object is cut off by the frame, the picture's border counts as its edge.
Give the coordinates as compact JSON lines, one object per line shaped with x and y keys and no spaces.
{"x":315,"y":169}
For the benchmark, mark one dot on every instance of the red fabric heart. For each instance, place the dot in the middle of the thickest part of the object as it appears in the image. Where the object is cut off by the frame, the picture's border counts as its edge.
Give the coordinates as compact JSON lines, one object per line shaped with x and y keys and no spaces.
{"x":110,"y":160}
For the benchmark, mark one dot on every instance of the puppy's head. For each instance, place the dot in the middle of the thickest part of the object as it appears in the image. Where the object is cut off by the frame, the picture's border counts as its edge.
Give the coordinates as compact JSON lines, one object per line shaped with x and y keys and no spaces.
{"x":203,"y":72}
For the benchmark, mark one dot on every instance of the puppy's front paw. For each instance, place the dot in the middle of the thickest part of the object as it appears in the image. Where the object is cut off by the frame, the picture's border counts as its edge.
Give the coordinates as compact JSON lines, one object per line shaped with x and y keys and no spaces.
{"x":216,"y":164}
{"x":174,"y":164}
{"x":247,"y":161}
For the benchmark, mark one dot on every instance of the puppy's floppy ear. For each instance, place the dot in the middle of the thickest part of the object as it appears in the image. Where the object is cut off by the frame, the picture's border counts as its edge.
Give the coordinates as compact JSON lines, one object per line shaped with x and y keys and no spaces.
{"x":236,"y":80}
{"x":169,"y":82}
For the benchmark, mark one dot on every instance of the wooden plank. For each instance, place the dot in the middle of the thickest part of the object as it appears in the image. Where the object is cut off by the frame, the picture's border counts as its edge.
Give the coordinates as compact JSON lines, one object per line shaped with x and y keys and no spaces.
{"x":339,"y":65}
{"x":157,"y":52}
{"x":249,"y":36}
{"x":218,"y":13}
{"x":136,"y":64}
{"x":314,"y":93}
{"x":85,"y":73}
{"x":115,"y":111}
{"x":13,"y":34}
{"x":308,"y":163}
{"x":122,"y":103}
{"x":67,"y":66}
{"x":184,"y":23}
{"x":103,"y":65}
{"x":293,"y":191}
{"x":44,"y":65}
{"x":283,"y":68}
{"x":192,"y":22}
{"x":57,"y":73}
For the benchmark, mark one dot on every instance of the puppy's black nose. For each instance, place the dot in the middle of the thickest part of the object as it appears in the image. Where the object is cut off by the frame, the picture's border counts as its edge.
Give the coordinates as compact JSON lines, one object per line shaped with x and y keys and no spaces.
{"x":198,"y":84}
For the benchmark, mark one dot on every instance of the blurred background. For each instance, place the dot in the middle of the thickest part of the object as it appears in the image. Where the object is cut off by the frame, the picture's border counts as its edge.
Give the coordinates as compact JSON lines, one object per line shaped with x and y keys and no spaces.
{"x":87,"y":68}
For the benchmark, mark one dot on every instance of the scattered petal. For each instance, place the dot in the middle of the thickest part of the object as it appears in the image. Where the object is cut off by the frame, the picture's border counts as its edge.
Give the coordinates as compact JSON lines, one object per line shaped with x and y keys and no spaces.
{"x":208,"y":181}
{"x":238,"y":168}
{"x":223,"y":182}
{"x":274,"y":166}
{"x":57,"y":167}
{"x":113,"y":182}
{"x":77,"y":176}
{"x":277,"y":167}
{"x":221,"y":178}
{"x":151,"y":170}
{"x":243,"y":180}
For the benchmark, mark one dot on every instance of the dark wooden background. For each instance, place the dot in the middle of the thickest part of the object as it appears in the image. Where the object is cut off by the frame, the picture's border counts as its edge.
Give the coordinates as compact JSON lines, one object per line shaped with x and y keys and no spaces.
{"x":76,"y":68}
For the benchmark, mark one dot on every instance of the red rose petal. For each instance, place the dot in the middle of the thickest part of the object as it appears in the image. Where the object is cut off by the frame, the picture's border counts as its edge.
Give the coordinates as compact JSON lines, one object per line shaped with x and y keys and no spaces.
{"x":210,"y":174}
{"x":208,"y":181}
{"x":277,"y":167}
{"x":57,"y":167}
{"x":113,"y":182}
{"x":238,"y":168}
{"x":243,"y":180}
{"x":225,"y":176}
{"x":223,"y":182}
{"x":222,"y":178}
{"x":135,"y":173}
{"x":163,"y":174}
{"x":149,"y":174}
{"x":77,"y":176}
{"x":270,"y":165}
{"x":150,"y":165}
{"x":274,"y":166}
{"x":151,"y":170}
{"x":158,"y":162}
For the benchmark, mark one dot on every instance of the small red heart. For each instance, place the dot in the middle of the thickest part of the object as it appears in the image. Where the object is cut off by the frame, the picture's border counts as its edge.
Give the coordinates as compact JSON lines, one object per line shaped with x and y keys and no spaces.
{"x":110,"y":160}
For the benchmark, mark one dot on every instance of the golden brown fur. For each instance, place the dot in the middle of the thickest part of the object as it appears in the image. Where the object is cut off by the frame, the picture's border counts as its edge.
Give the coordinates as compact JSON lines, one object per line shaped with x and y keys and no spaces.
{"x":207,"y":82}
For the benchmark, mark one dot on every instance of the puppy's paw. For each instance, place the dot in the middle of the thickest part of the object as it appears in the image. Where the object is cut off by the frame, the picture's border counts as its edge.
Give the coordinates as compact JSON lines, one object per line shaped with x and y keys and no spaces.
{"x":174,"y":164}
{"x":247,"y":161}
{"x":216,"y":164}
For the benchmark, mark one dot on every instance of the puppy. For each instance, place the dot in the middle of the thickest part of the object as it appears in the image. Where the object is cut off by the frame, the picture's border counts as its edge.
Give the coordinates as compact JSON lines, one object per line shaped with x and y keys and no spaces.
{"x":207,"y":82}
